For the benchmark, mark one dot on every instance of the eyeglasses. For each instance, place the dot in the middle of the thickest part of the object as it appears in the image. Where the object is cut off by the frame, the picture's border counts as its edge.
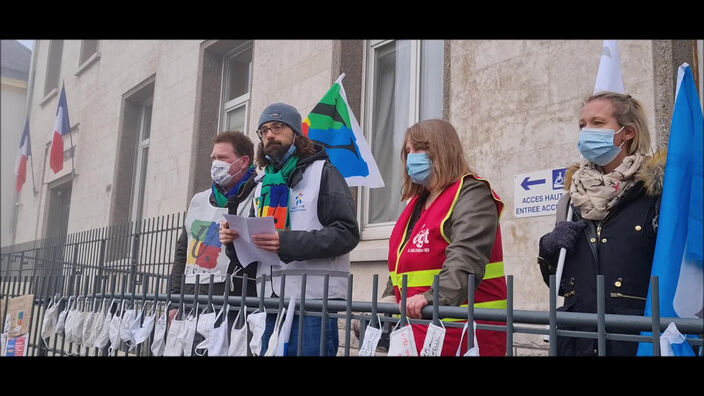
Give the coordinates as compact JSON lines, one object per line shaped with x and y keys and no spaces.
{"x":275,"y":129}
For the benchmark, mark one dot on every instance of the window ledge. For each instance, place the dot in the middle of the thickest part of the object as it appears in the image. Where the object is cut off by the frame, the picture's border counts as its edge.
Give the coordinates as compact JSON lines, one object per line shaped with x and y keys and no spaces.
{"x":48,"y":97}
{"x":375,"y":250}
{"x":94,"y":58}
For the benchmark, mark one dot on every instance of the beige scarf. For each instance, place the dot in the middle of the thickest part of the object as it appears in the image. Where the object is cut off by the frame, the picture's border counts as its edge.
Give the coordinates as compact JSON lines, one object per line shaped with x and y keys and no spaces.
{"x":596,"y":193}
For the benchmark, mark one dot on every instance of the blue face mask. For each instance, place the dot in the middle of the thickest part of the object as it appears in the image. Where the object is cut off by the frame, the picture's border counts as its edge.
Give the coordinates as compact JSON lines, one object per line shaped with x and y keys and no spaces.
{"x":418,"y":167}
{"x":597,"y":145}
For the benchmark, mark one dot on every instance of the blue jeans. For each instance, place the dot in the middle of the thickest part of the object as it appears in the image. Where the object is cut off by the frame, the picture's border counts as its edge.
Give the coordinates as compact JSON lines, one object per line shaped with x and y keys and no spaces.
{"x":311,"y":336}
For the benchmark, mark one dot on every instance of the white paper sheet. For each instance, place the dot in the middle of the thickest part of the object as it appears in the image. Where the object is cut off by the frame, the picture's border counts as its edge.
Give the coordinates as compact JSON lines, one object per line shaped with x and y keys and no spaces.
{"x":248,"y":252}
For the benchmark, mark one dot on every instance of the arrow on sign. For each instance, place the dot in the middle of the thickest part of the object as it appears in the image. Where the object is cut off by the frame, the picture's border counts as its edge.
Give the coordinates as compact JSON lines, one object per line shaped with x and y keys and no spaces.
{"x":526,"y":184}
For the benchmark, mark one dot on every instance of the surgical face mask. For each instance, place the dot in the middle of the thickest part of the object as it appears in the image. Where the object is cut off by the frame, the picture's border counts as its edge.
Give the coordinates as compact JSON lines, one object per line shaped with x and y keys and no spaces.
{"x":217,"y":342}
{"x":158,"y":342}
{"x":474,"y":351}
{"x":204,"y":327}
{"x":49,"y":322}
{"x":401,"y":342}
{"x":274,"y":339}
{"x":238,"y":337}
{"x":143,"y":332}
{"x":61,"y":320}
{"x":114,"y":332}
{"x":129,"y":325}
{"x":87,"y":336}
{"x":418,"y":167}
{"x":173,"y":346}
{"x":220,"y":172}
{"x":96,"y":328}
{"x":257,"y":323}
{"x":372,"y":335}
{"x":102,"y":339}
{"x":597,"y":145}
{"x":186,"y":337}
{"x":434,"y":339}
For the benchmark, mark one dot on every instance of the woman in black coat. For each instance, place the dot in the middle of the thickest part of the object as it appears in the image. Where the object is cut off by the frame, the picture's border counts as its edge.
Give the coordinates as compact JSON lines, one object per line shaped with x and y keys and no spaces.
{"x":615,"y":193}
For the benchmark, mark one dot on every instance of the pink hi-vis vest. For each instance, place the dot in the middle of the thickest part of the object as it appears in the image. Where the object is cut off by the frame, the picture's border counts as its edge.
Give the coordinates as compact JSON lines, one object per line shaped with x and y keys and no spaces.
{"x":423,"y":256}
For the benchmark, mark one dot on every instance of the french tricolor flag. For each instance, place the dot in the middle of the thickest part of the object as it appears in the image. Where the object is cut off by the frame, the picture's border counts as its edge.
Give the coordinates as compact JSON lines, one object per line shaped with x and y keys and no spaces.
{"x":61,"y":127}
{"x":24,"y":151}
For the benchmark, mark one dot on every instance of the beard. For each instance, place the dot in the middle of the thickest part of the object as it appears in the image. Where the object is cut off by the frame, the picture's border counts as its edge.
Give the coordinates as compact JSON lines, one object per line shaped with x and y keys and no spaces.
{"x":276,"y":151}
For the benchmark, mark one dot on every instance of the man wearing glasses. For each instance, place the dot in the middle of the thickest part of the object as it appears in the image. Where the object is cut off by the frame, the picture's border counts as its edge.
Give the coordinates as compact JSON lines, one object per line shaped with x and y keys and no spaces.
{"x":314,"y":218}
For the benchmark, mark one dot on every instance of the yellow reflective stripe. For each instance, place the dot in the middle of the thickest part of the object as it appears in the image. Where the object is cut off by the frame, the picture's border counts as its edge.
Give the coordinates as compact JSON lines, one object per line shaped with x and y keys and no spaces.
{"x":496,"y":304}
{"x":415,"y":278}
{"x":449,"y":212}
{"x":494,"y":270}
{"x":401,"y":245}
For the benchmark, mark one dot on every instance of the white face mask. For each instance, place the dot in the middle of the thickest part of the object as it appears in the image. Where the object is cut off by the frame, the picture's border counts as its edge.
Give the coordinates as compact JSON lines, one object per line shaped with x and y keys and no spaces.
{"x":173,"y":346}
{"x":257,"y":324}
{"x":87,"y":336}
{"x":401,"y":342}
{"x":143,"y":332}
{"x":217,"y":342}
{"x":372,"y":336}
{"x":158,"y":343}
{"x":204,"y":327}
{"x":434,"y":339}
{"x":104,"y":336}
{"x":95,"y":327}
{"x":238,"y":337}
{"x":61,"y":320}
{"x":186,"y":337}
{"x":129,"y":325}
{"x":68,"y":324}
{"x":220,"y":172}
{"x":50,"y":317}
{"x":114,"y":332}
{"x":274,"y":339}
{"x":475,"y":350}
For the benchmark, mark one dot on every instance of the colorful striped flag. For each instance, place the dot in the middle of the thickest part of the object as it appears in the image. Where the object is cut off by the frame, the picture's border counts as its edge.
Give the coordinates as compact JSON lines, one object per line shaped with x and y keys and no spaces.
{"x":678,"y":257}
{"x":23,"y":153}
{"x":62,"y":126}
{"x":332,"y":124}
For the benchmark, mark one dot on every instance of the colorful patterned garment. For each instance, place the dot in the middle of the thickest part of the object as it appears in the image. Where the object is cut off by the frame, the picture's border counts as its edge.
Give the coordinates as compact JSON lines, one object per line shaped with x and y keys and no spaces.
{"x":275,"y":192}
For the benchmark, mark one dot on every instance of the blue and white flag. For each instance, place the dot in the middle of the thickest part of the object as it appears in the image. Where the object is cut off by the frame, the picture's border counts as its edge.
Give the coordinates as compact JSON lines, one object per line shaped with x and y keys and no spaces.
{"x":677,"y":261}
{"x":608,"y":78}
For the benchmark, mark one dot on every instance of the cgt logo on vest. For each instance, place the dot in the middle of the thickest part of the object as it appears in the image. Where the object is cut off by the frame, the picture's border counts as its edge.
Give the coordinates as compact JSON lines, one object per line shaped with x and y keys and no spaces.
{"x":419,"y":240}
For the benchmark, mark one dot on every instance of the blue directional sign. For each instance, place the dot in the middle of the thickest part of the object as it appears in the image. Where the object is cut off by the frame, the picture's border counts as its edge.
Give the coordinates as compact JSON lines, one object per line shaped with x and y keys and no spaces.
{"x":537,"y":193}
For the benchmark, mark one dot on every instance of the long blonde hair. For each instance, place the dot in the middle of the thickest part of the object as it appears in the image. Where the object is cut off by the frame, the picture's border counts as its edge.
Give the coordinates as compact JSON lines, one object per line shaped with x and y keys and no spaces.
{"x":629,"y":112}
{"x":440,"y":141}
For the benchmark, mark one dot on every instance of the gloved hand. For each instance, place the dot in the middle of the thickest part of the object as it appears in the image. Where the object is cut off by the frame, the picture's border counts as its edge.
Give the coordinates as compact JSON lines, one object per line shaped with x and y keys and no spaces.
{"x":564,"y":235}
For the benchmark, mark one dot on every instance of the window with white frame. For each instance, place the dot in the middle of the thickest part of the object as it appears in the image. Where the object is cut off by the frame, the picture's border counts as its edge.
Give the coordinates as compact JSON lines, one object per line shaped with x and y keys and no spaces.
{"x":237,"y":80}
{"x":141,"y":161}
{"x":403,"y":85}
{"x":53,"y":66}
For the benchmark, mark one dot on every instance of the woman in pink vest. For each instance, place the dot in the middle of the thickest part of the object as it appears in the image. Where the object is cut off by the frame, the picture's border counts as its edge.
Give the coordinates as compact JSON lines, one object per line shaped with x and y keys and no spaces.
{"x":450,"y":227}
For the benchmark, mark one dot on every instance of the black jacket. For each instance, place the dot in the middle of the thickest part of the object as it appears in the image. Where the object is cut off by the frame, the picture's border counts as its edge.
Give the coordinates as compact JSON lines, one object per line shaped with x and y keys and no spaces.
{"x":621,"y":248}
{"x":179,"y":264}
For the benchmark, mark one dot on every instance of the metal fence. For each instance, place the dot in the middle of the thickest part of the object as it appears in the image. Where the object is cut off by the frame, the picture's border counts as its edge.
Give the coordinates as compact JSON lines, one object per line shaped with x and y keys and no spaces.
{"x":131,"y":263}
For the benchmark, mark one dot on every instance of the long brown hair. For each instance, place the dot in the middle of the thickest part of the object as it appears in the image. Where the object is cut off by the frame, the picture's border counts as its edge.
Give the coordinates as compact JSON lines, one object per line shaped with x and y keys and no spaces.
{"x":304,"y":148}
{"x":440,"y":141}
